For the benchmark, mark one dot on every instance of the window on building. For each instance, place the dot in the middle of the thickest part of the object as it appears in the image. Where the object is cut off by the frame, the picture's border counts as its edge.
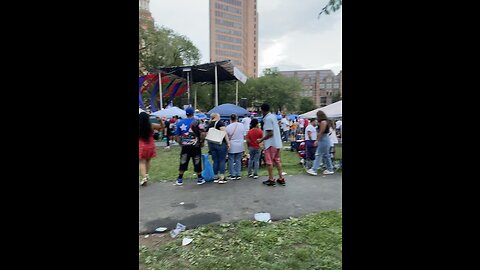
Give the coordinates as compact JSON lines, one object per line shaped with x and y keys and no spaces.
{"x":336,"y":85}
{"x":329,"y":85}
{"x":323,"y":101}
{"x":322,"y":85}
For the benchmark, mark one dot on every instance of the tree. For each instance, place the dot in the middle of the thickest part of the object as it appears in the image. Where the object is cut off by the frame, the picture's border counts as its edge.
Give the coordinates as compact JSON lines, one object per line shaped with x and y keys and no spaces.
{"x":336,"y":97}
{"x":332,"y":6}
{"x":306,"y":104}
{"x":161,"y":46}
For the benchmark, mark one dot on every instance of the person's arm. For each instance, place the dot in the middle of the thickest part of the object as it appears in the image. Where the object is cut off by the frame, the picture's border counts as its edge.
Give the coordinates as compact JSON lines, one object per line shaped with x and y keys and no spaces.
{"x":267,"y":136}
{"x":321,"y":130}
{"x":247,"y":138}
{"x":226,"y":136}
{"x":309,"y":135}
{"x":157,"y":126}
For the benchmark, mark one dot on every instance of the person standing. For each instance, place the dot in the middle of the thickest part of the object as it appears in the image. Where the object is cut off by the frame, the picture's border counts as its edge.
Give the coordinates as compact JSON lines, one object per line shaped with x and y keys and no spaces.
{"x":273,"y":143}
{"x":235,"y":136}
{"x":323,"y":146}
{"x":146,"y":145}
{"x":254,"y":148}
{"x":246,"y":124}
{"x":190,"y":135}
{"x":218,"y":151}
{"x":310,"y":138}
{"x":285,"y":128}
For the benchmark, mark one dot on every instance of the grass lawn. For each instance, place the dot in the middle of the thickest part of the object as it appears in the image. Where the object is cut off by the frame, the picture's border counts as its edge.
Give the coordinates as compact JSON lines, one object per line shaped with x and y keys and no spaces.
{"x":165,"y":166}
{"x":310,"y":242}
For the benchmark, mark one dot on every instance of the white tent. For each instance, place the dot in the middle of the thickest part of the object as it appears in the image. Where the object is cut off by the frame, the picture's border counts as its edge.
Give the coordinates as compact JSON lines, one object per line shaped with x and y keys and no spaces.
{"x":332,"y":111}
{"x":171,"y":112}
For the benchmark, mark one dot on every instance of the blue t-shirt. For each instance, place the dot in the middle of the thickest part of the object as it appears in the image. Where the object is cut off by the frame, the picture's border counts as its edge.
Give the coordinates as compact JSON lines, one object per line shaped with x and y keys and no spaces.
{"x":189,"y":131}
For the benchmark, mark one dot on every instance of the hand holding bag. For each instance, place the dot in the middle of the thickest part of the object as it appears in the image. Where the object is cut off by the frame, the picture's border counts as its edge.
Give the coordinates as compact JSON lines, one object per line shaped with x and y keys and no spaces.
{"x":214,"y":135}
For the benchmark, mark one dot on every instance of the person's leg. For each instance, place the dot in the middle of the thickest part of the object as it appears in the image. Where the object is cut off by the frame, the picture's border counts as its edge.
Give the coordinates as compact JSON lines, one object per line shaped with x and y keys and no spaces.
{"x":214,"y":151}
{"x":251,"y":152}
{"x":143,"y":168}
{"x":316,"y":162}
{"x":231,"y":161}
{"x":197,"y":164}
{"x":147,"y":168}
{"x":184,"y":158}
{"x":222,"y":156}
{"x":256,"y":161}
{"x":238,"y":164}
{"x":325,"y":152}
{"x":278,"y":161}
{"x":269,"y":161}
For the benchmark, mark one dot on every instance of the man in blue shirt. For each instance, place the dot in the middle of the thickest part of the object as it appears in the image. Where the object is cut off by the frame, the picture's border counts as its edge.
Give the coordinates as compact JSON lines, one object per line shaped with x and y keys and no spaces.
{"x":190,"y":135}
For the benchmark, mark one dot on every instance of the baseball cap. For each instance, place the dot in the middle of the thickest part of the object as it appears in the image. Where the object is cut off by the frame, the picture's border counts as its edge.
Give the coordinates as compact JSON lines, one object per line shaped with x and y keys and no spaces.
{"x":189,"y":111}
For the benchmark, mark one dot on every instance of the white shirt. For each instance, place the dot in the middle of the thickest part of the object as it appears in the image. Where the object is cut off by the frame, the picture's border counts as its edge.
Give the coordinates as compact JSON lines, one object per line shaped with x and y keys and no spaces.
{"x":270,"y":122}
{"x":312,"y":129}
{"x":246,"y":123}
{"x":284,"y":123}
{"x":236,"y":138}
{"x":338,"y":124}
{"x":301,"y":122}
{"x":333,"y":137}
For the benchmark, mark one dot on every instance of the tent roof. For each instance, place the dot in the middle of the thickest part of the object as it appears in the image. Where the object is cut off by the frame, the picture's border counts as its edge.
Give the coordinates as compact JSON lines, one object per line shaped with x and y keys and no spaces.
{"x":333,"y":110}
{"x":206,"y":72}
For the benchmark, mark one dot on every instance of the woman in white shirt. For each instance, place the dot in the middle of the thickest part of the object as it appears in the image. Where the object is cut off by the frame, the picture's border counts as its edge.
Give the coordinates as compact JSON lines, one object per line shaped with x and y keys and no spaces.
{"x":235,"y":132}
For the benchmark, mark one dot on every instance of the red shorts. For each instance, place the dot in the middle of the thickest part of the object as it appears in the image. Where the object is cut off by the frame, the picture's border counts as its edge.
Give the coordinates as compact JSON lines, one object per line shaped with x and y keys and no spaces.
{"x":272,"y":156}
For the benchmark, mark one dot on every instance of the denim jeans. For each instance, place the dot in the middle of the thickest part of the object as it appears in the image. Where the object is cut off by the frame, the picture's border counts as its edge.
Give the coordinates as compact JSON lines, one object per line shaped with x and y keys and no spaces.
{"x":323,"y":153}
{"x":219,"y":154}
{"x":254,"y":161}
{"x":235,"y":163}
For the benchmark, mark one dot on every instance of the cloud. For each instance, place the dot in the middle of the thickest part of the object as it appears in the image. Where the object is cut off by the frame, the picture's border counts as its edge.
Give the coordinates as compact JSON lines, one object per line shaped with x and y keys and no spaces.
{"x":291,"y":36}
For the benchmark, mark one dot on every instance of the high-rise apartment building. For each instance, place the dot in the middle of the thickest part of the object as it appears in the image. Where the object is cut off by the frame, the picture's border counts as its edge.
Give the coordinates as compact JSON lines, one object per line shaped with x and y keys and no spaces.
{"x":320,"y":85}
{"x":234,"y":33}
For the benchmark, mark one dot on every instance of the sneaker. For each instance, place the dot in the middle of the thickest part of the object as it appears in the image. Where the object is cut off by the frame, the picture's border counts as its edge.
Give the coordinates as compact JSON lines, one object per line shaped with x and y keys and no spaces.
{"x":232,"y":178}
{"x":167,"y":147}
{"x":179,"y":181}
{"x":281,"y":181}
{"x":311,"y":172}
{"x":250,"y":175}
{"x":255,"y":176}
{"x":238,"y":178}
{"x":224,"y":181}
{"x":327,"y":172}
{"x":144,"y":182}
{"x":269,"y":182}
{"x":200,"y":181}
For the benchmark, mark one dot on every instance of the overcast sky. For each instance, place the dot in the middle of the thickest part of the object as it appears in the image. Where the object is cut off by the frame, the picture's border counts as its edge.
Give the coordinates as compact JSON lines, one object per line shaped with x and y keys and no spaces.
{"x":291,"y":36}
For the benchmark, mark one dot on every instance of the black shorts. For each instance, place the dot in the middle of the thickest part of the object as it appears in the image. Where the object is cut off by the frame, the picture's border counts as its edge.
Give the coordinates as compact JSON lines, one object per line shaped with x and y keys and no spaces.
{"x":191,"y":152}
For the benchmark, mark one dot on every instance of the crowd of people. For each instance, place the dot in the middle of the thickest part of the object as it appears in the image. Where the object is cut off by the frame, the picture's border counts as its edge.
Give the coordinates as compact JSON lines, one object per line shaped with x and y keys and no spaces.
{"x":263,"y":139}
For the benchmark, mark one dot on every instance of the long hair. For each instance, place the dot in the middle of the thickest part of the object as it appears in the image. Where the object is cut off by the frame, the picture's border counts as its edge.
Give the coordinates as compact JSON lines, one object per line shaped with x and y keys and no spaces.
{"x":321,"y":116}
{"x":145,"y":126}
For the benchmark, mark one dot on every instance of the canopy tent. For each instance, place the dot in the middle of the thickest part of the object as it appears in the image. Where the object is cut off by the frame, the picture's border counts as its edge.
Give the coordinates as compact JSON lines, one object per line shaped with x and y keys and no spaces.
{"x":209,"y":72}
{"x":140,"y":110}
{"x":225,"y":110}
{"x":200,"y":116}
{"x":332,"y":111}
{"x":170,"y":112}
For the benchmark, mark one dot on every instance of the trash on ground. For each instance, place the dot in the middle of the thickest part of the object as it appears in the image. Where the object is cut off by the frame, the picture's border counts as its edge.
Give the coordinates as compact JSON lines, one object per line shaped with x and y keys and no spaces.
{"x":284,"y":173}
{"x":161,"y":229}
{"x":146,"y":236}
{"x":174,"y":233}
{"x":182,"y":203}
{"x":181,"y":227}
{"x":262,"y":217}
{"x":186,"y":241}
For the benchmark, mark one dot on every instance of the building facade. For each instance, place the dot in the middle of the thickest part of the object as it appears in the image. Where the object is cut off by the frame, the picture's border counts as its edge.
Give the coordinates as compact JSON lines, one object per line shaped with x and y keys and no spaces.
{"x":234,"y":34}
{"x":320,"y":85}
{"x":145,"y":17}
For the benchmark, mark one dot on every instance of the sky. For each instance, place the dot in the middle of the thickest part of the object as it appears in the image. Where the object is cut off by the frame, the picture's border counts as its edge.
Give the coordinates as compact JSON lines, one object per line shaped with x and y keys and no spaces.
{"x":291,"y":35}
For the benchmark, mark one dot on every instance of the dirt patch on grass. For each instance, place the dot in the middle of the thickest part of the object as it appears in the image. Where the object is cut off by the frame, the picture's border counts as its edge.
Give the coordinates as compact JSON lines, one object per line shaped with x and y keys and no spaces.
{"x":154,"y":240}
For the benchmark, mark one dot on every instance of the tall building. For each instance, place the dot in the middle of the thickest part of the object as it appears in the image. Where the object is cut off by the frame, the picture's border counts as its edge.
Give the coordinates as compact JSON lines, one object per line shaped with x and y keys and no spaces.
{"x":234,"y":33}
{"x":321,"y":85}
{"x":145,"y":17}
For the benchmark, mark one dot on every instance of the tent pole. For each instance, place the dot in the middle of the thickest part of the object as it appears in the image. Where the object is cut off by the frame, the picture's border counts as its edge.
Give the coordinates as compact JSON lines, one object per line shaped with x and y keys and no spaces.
{"x":188,"y":87}
{"x":160,"y":89}
{"x":216,"y":85}
{"x":236,"y":94}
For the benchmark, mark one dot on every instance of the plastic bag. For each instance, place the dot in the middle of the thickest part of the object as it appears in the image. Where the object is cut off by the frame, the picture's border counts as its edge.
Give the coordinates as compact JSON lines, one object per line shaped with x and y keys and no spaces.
{"x":207,"y":172}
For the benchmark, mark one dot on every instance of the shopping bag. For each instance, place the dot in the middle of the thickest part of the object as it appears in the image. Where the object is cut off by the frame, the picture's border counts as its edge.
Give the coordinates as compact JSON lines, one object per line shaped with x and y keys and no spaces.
{"x":207,"y":172}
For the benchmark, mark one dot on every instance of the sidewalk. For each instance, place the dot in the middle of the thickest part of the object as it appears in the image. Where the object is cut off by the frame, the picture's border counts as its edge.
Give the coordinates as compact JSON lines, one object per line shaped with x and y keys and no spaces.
{"x":160,"y":206}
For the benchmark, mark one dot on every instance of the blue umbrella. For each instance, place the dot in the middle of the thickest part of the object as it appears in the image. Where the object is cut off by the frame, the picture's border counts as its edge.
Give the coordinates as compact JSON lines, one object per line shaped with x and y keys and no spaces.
{"x":200,"y":116}
{"x":225,"y":110}
{"x":292,"y":116}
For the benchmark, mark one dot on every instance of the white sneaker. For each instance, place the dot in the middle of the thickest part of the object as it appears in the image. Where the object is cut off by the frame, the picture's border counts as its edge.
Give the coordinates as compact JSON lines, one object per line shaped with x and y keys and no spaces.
{"x":327,"y":172}
{"x":311,"y":172}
